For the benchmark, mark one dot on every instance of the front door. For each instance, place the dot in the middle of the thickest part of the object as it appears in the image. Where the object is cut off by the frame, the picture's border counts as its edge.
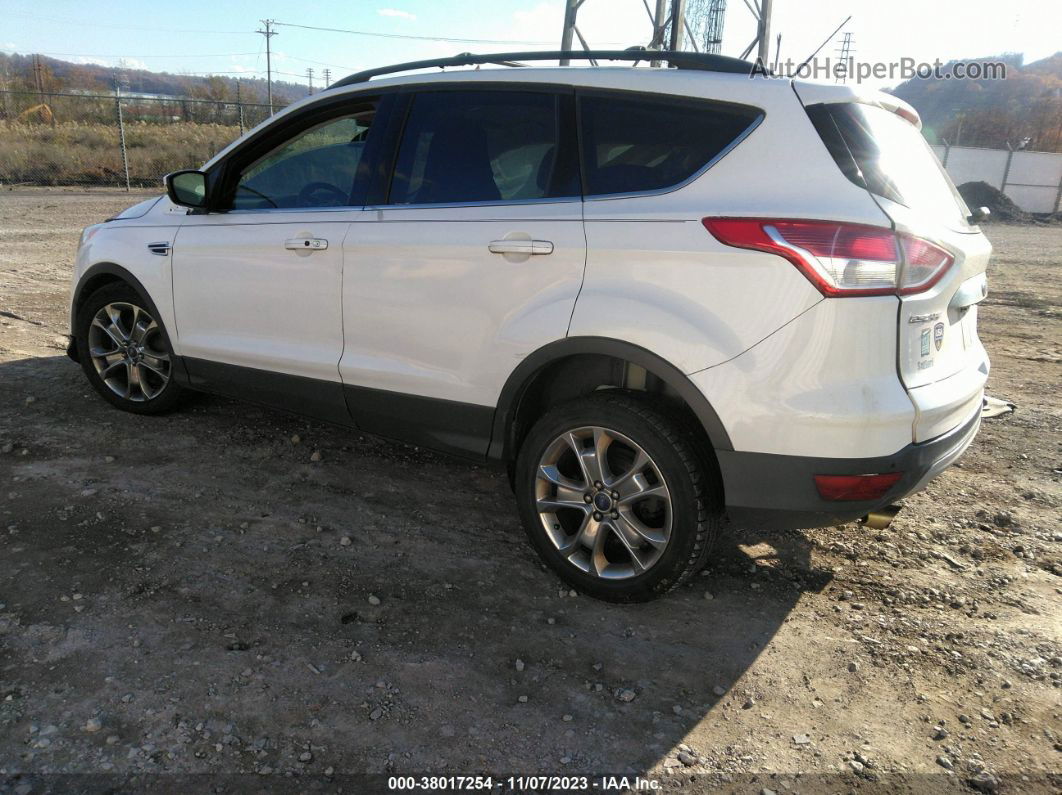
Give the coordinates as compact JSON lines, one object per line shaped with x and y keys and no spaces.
{"x":257,"y":289}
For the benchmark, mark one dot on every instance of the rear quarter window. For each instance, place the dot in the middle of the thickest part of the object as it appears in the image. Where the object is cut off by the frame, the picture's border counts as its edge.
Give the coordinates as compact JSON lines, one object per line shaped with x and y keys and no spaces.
{"x":638,"y":143}
{"x":884,"y":153}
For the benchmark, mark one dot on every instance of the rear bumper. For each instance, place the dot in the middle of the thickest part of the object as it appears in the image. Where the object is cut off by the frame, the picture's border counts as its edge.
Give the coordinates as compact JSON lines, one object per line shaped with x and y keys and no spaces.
{"x":766,"y":490}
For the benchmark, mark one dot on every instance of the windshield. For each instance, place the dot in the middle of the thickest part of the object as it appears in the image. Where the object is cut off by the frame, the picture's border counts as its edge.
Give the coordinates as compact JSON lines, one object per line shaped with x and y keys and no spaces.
{"x":886,"y":154}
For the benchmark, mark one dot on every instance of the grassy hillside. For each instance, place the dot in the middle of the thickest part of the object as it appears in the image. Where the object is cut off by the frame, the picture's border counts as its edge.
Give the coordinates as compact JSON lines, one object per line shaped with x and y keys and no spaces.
{"x":1024,"y":109}
{"x":74,"y":153}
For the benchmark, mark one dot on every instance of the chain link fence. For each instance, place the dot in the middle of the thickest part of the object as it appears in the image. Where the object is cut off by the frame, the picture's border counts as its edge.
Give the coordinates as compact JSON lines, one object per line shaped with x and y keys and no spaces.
{"x":125,"y":141}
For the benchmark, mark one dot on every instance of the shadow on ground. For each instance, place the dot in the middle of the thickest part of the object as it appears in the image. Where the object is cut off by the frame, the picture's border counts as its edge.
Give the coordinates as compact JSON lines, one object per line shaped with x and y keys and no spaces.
{"x":220,"y":602}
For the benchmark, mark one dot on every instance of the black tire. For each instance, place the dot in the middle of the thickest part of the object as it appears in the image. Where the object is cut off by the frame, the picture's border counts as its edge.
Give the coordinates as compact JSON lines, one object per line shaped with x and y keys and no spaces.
{"x":690,"y":477}
{"x":158,"y":395}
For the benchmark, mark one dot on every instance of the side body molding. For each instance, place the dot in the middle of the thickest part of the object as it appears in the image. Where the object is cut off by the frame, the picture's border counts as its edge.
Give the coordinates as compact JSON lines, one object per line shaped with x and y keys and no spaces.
{"x":518,"y":381}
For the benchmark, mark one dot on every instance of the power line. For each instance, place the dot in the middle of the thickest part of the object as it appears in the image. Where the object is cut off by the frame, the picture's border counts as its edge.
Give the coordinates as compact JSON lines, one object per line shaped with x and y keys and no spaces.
{"x":97,"y":24}
{"x":320,"y":63}
{"x":449,"y":39}
{"x":151,"y":55}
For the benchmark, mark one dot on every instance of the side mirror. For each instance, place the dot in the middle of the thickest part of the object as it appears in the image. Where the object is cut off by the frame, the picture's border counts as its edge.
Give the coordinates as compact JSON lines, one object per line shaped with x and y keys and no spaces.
{"x":187,"y":188}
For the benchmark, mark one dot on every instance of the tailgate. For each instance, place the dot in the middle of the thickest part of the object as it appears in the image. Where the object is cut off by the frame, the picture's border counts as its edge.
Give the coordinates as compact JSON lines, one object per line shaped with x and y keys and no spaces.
{"x":938,"y":328}
{"x":939,"y":359}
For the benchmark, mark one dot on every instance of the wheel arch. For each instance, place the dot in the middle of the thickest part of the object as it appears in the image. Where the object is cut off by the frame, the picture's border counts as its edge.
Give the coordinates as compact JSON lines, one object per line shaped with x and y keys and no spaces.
{"x":100,"y":275}
{"x":587,"y":358}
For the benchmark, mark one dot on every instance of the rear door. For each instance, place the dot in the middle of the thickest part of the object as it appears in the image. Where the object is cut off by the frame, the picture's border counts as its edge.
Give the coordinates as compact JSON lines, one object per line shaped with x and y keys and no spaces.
{"x":469,"y":260}
{"x":940,"y":358}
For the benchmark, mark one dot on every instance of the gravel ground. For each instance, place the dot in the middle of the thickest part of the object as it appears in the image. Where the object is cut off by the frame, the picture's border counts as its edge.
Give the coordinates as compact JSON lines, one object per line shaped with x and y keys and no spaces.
{"x":198,"y":593}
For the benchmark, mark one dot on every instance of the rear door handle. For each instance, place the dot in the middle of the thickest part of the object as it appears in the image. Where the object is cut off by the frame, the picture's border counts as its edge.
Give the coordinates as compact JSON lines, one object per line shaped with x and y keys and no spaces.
{"x":520,"y":247}
{"x":306,"y":243}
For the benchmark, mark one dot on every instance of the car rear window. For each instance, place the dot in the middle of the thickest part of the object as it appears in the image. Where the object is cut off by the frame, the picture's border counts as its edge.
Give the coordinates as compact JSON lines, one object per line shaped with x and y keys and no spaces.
{"x":642,"y":143}
{"x":884,"y":153}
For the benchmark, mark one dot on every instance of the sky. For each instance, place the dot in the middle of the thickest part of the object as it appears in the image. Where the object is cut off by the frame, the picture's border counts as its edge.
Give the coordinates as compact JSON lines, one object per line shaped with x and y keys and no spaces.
{"x":217,"y":36}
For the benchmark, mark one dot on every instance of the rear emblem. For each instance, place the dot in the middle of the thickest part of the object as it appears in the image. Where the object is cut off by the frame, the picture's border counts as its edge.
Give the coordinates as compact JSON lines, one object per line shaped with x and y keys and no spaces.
{"x":925,"y":342}
{"x":938,"y":335}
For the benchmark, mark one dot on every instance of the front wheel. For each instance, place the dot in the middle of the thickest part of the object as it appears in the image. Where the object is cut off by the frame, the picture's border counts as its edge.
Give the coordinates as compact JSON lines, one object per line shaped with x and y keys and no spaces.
{"x":124,"y":351}
{"x":615,"y":498}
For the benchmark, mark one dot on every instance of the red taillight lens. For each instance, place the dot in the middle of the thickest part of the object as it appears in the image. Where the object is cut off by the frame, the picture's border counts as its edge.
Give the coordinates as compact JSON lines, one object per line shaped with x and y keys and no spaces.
{"x":853,"y":488}
{"x":841,"y":259}
{"x":924,"y":264}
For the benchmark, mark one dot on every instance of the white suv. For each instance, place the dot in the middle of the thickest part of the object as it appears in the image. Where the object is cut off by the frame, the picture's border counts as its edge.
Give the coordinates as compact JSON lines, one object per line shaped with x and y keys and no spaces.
{"x":660,"y":297}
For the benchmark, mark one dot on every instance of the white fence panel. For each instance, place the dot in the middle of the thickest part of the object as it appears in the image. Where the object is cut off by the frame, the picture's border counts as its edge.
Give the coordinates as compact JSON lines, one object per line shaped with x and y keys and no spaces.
{"x":966,"y":164}
{"x":1033,"y":180}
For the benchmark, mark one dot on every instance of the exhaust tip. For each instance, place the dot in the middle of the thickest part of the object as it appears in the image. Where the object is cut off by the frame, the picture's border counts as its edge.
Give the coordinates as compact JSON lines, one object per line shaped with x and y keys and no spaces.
{"x":879,"y":520}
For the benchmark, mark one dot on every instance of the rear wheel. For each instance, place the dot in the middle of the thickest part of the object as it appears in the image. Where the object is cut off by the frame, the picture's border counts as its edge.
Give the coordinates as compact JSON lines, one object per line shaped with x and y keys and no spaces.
{"x":615,"y":498}
{"x":124,"y":351}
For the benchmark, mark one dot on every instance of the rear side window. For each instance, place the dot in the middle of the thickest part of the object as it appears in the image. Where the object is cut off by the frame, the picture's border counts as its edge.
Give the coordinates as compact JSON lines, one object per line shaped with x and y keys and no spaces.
{"x":637,"y":143}
{"x":887,"y":155}
{"x":480,"y":146}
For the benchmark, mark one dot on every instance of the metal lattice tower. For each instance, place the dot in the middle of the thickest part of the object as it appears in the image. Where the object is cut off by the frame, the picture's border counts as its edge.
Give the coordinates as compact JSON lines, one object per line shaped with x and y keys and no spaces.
{"x":704,"y":25}
{"x":713,"y":35}
{"x":844,"y":52}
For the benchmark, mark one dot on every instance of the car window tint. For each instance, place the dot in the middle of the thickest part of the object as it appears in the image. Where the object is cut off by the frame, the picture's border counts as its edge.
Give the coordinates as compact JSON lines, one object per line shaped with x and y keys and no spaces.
{"x":314,"y":168}
{"x":468,"y":146}
{"x":640,"y":143}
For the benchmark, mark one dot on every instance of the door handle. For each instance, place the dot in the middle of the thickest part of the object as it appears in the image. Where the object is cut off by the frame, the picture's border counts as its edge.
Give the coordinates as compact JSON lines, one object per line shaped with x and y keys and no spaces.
{"x":520,"y":247}
{"x":306,"y":243}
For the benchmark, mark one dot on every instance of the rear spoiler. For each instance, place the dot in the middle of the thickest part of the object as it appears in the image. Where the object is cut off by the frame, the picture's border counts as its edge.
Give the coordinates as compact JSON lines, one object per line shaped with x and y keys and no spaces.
{"x":824,"y":93}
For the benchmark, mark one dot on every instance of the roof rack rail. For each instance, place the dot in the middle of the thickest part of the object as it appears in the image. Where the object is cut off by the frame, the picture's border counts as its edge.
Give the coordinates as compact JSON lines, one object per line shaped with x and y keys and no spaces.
{"x":680,"y":60}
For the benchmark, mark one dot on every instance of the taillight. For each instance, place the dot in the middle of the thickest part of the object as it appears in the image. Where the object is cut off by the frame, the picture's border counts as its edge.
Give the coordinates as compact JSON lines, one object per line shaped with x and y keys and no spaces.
{"x":851,"y":488}
{"x":841,"y":259}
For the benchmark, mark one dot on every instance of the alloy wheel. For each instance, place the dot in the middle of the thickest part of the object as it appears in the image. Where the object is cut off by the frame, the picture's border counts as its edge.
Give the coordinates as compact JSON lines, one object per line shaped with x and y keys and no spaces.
{"x":603,"y":503}
{"x":128,"y":352}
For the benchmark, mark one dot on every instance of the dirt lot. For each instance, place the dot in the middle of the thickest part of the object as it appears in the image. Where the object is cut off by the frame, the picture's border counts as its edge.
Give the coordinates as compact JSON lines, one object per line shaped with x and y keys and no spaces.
{"x":195,"y":594}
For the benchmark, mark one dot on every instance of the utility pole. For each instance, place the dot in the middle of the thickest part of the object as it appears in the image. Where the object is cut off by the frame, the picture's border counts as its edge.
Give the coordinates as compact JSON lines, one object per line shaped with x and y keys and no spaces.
{"x":38,"y":77}
{"x":121,"y":125}
{"x":239,"y":104}
{"x":327,"y":77}
{"x":268,"y":33}
{"x":309,"y":78}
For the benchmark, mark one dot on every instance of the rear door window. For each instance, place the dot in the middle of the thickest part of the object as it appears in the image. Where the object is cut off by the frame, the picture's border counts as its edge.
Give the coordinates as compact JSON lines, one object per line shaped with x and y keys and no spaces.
{"x":637,"y":143}
{"x":481,"y":146}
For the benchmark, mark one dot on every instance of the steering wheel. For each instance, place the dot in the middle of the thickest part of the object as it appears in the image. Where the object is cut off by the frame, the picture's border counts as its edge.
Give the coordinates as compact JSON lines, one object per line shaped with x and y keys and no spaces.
{"x":307,"y":196}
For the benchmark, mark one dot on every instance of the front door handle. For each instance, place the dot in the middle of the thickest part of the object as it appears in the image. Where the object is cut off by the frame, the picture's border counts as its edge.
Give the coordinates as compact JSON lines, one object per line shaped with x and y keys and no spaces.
{"x":520,"y":247}
{"x":306,"y":244}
